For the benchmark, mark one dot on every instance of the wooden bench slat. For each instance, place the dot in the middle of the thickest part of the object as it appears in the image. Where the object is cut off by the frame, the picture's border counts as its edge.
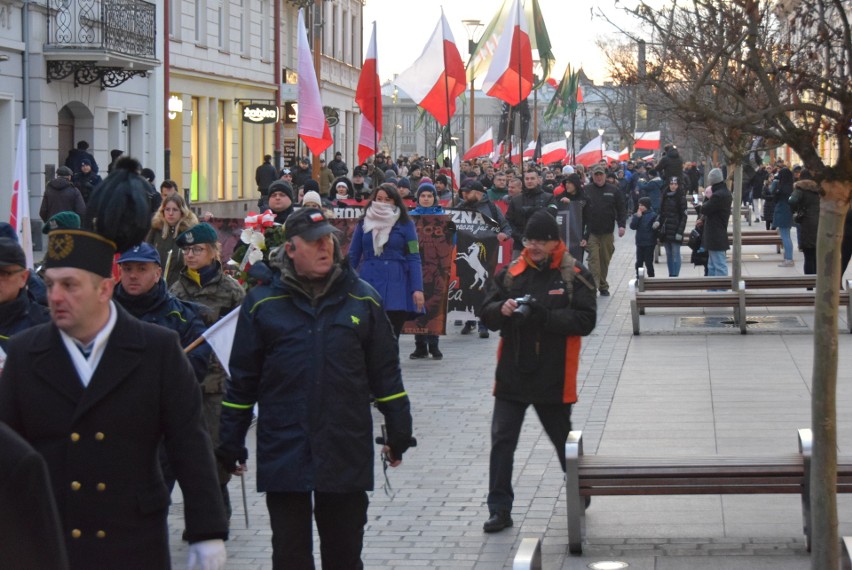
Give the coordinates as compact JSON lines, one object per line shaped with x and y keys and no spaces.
{"x":594,"y":475}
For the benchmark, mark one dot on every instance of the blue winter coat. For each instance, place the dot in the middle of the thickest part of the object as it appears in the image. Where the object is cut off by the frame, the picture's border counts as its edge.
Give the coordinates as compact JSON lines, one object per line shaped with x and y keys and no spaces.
{"x":397,"y":273}
{"x":783,"y":216}
{"x":645,"y":234}
{"x":311,"y":366}
{"x":160,"y":307}
{"x":20,"y":314}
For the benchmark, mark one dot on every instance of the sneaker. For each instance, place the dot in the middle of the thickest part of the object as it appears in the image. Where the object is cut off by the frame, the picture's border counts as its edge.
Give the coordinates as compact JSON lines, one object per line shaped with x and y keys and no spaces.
{"x":787,"y":263}
{"x":484,"y":334}
{"x":498,"y":521}
{"x":419,"y":352}
{"x":468,"y":328}
{"x":604,"y":292}
{"x":436,"y":353}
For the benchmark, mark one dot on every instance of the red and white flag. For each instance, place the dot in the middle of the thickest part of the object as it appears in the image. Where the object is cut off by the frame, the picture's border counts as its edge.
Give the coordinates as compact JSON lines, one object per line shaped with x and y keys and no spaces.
{"x":368,"y":96}
{"x":556,"y":151}
{"x":510,"y":76}
{"x":624,"y":155}
{"x":484,"y":146}
{"x":19,"y":216}
{"x":437,"y":78}
{"x":497,"y":155}
{"x":313,"y":128}
{"x":530,"y":150}
{"x":221,"y":335}
{"x":591,"y":153}
{"x":648,"y":140}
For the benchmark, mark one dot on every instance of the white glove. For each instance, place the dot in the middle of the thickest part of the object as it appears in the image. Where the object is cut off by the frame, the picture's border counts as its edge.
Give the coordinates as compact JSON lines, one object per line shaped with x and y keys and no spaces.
{"x":655,"y":225}
{"x":207,"y":555}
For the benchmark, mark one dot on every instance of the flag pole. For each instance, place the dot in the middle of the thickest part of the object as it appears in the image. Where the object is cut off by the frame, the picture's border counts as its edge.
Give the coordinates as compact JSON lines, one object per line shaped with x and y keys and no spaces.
{"x":446,"y":97}
{"x":520,"y":88}
{"x":375,"y":107}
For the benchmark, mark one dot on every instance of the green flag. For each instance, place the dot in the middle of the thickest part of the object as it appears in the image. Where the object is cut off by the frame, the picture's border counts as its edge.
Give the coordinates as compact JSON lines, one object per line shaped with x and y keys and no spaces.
{"x":565,"y":99}
{"x":540,"y":40}
{"x":481,"y":57}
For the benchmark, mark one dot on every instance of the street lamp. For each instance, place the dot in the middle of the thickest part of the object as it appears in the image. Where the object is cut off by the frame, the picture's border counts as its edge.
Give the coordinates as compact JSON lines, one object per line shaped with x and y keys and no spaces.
{"x":567,"y":145}
{"x":471,"y":27}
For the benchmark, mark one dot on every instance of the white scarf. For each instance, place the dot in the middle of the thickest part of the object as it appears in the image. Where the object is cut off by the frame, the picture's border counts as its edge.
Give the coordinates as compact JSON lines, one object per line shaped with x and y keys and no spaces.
{"x":379,"y":219}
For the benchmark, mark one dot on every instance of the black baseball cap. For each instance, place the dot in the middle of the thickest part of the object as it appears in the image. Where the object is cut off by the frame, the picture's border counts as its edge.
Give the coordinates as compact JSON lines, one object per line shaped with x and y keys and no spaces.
{"x":309,"y":224}
{"x":11,"y":253}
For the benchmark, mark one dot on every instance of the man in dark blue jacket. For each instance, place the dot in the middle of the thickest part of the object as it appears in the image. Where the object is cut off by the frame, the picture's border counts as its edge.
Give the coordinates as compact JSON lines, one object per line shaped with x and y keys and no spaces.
{"x":17,"y":310}
{"x":311,"y":349}
{"x":144,"y":294}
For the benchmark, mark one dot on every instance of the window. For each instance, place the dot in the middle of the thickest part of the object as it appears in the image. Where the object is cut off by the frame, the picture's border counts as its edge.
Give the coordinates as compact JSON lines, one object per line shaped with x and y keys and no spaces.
{"x":201,"y":22}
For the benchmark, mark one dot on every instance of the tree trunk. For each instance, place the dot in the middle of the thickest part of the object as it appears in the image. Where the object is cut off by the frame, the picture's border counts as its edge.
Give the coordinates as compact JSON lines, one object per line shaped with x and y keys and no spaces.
{"x":825,"y":553}
{"x":737,"y":245}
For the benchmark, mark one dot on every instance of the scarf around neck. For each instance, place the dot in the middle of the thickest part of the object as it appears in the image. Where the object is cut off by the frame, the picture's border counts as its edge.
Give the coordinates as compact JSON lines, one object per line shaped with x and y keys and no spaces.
{"x":379,"y":219}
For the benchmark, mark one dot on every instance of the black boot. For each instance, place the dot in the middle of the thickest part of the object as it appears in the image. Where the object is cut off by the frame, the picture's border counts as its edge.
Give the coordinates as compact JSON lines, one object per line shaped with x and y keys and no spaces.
{"x":498,"y":521}
{"x":419,"y":352}
{"x":435,"y":352}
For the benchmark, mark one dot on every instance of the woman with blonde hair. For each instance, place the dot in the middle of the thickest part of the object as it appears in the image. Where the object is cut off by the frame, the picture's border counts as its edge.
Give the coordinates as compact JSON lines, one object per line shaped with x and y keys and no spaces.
{"x":172,"y":219}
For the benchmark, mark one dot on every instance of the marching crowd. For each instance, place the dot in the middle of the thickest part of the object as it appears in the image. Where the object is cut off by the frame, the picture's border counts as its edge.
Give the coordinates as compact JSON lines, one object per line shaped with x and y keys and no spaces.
{"x":102,"y":358}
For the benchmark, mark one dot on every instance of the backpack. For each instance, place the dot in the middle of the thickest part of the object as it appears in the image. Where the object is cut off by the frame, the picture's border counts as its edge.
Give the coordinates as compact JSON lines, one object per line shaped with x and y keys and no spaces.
{"x":694,"y":241}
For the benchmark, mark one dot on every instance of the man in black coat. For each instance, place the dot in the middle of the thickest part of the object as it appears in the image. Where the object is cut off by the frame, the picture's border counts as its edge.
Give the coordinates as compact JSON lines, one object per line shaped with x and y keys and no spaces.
{"x":715,"y":213}
{"x":77,"y":155}
{"x":602,"y":212}
{"x":95,"y":392}
{"x":539,"y":357}
{"x":18,"y":311}
{"x":264,"y":175}
{"x":337,"y":166}
{"x":522,"y":207}
{"x":29,"y":522}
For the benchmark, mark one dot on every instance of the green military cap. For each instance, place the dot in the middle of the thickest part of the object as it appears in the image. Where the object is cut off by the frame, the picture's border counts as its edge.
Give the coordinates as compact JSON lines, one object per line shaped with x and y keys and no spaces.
{"x":62,"y":221}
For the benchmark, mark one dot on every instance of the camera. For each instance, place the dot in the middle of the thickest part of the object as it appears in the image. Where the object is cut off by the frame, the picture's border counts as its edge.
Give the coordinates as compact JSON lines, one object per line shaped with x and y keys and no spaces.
{"x":524,"y":308}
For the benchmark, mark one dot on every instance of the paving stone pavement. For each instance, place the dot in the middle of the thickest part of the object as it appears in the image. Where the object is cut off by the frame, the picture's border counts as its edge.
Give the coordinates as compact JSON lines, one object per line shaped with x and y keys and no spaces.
{"x":666,"y":392}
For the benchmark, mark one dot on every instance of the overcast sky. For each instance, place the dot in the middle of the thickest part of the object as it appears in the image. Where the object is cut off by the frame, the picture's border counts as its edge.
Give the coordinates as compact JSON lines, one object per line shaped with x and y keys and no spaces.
{"x":404,"y":28}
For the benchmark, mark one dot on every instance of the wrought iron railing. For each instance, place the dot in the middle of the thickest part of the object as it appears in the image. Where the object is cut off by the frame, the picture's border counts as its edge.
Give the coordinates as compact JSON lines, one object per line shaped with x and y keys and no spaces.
{"x":120,"y":26}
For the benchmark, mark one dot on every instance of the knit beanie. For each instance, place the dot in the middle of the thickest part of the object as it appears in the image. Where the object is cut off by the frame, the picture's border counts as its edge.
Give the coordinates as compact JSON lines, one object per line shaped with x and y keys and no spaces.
{"x":645,"y":201}
{"x":281,"y":186}
{"x":427,"y":187}
{"x":715,"y":176}
{"x":311,"y":197}
{"x":542,"y":226}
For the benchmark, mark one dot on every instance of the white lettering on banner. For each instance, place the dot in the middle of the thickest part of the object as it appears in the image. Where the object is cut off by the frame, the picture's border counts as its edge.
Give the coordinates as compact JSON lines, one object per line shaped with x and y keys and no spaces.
{"x":258,"y":114}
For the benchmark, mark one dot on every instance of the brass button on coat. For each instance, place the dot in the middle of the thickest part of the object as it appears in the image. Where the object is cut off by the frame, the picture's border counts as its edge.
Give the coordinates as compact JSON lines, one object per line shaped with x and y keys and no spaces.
{"x":99,"y":436}
{"x":75,"y":437}
{"x":76,"y":533}
{"x":101,"y":487}
{"x":100,"y":534}
{"x":75,"y":485}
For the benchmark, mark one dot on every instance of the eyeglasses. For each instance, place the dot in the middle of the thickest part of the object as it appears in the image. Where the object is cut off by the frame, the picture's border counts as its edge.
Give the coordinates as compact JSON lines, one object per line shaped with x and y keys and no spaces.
{"x":194,"y":250}
{"x":8,"y":274}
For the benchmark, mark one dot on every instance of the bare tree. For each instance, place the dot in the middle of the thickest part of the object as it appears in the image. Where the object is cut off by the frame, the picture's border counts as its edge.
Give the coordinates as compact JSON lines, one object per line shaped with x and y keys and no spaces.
{"x":781,"y":70}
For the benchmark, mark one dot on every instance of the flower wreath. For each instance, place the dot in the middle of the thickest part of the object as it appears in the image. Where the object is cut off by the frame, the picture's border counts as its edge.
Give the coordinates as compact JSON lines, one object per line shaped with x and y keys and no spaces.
{"x":259,"y":237}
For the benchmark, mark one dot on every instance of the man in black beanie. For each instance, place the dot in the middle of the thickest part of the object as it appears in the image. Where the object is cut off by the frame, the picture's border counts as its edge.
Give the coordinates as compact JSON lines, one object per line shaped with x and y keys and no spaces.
{"x":542,"y":303}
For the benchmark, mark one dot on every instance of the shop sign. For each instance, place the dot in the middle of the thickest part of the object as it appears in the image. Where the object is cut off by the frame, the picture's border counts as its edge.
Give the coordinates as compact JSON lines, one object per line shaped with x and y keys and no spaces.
{"x":260,"y":114}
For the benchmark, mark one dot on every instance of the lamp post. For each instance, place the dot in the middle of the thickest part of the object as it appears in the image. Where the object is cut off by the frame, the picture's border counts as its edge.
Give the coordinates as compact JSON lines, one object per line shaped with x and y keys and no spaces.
{"x":568,"y":146}
{"x":601,"y":133}
{"x":471,"y":26}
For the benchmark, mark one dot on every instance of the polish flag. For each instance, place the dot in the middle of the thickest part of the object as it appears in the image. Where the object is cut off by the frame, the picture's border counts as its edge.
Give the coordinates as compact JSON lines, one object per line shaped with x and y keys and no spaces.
{"x":530,"y":150}
{"x":648,"y":140}
{"x":313,"y":128}
{"x":624,"y":155}
{"x":554,"y":152}
{"x":510,"y":76}
{"x":611,"y":156}
{"x":368,"y":96}
{"x":591,"y":153}
{"x":19,"y":217}
{"x":438,"y":77}
{"x":482,"y":147}
{"x":497,"y":155}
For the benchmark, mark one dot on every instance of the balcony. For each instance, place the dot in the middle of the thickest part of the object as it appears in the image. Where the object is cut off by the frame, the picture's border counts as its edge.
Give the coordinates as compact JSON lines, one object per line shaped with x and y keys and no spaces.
{"x":109,"y":41}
